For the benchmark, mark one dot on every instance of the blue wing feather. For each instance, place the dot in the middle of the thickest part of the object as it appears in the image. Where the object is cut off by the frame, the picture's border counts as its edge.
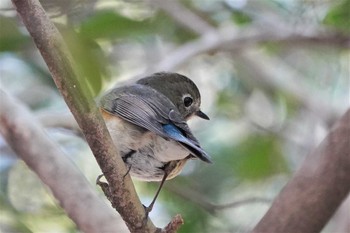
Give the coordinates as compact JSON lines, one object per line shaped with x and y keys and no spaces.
{"x":173,"y":132}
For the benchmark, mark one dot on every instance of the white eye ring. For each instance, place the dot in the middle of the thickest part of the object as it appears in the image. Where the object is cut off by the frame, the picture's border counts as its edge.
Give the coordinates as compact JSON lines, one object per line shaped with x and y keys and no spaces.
{"x":187,"y":100}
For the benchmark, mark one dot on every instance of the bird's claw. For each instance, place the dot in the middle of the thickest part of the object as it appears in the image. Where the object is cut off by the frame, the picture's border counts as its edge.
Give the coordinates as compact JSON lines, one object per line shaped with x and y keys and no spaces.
{"x":98,"y":182}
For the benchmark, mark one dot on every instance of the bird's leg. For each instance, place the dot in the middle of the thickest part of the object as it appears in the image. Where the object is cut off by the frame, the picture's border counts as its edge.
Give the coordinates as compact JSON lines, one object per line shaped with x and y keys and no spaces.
{"x":127,"y":172}
{"x":150,"y":207}
{"x":167,"y":170}
{"x":125,"y":158}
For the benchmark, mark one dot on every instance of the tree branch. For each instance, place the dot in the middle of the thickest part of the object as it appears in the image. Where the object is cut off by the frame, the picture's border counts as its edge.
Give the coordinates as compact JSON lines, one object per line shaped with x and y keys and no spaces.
{"x":183,"y":16}
{"x":76,"y":94}
{"x":231,"y":39}
{"x":75,"y":195}
{"x":210,"y":207}
{"x":312,"y":196}
{"x":59,"y":120}
{"x":267,"y":71}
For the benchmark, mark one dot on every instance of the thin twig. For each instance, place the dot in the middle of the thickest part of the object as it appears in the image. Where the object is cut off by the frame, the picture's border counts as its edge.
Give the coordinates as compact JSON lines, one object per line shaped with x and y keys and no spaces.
{"x":200,"y":200}
{"x":174,"y":224}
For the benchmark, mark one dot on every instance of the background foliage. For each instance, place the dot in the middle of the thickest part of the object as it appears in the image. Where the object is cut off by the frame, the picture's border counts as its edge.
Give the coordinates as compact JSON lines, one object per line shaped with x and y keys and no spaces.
{"x":272,"y":93}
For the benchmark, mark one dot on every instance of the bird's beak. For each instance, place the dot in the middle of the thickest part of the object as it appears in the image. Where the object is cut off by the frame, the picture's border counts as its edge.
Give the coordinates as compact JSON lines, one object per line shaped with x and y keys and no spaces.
{"x":202,"y":115}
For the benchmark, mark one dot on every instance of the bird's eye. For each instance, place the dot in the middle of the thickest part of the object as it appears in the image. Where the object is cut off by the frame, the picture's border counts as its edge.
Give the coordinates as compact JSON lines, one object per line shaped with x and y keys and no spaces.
{"x":188,"y":101}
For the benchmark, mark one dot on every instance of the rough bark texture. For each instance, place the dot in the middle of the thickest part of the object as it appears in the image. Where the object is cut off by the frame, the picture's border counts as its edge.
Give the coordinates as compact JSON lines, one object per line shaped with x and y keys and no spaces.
{"x":315,"y":192}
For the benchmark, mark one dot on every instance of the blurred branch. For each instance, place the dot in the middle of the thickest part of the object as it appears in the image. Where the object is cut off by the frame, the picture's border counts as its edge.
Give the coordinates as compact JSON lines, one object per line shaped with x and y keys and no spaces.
{"x":267,"y":71}
{"x":315,"y":192}
{"x":76,"y":94}
{"x":233,"y":38}
{"x":341,"y":217}
{"x":59,"y":120}
{"x":239,"y":39}
{"x":183,"y":16}
{"x":200,"y":200}
{"x":23,"y":133}
{"x":235,"y":204}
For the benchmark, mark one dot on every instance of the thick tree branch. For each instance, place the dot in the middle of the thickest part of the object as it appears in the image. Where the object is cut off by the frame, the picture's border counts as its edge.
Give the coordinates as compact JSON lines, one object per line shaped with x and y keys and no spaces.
{"x":23,"y":133}
{"x":76,"y":94}
{"x":312,"y":196}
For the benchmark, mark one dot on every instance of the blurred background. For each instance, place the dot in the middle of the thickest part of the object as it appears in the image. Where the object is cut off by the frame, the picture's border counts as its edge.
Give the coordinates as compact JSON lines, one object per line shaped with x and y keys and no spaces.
{"x":273,"y":74}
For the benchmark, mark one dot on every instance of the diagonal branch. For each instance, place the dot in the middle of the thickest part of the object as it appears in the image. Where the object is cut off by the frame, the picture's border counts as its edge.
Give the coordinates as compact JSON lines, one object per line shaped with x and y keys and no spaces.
{"x":266,"y":71}
{"x":73,"y":88}
{"x":28,"y":139}
{"x":183,"y":16}
{"x":315,"y":192}
{"x":232,"y":39}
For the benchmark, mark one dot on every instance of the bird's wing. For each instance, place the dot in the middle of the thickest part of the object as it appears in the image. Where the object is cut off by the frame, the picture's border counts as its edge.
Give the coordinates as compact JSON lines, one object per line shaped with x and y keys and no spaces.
{"x":136,"y":110}
{"x":144,"y":107}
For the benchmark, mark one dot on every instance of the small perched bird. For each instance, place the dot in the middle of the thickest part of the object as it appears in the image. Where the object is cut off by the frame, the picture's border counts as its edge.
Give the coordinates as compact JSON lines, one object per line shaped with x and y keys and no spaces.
{"x":147,"y":122}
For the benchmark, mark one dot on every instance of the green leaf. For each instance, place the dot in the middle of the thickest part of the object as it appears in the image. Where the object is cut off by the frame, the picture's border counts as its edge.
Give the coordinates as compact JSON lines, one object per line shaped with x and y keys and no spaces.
{"x":109,"y":24}
{"x":339,"y":16}
{"x":241,"y":18}
{"x":11,"y":39}
{"x":88,"y":56}
{"x":258,"y":157}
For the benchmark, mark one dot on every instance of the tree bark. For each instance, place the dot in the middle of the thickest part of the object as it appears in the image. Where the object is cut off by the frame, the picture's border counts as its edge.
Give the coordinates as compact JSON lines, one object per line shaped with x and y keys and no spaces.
{"x":317,"y":189}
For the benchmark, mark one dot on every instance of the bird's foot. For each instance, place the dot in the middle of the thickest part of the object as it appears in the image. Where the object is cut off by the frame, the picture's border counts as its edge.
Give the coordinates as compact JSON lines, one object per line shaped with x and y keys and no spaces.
{"x":148,"y":210}
{"x":98,"y":180}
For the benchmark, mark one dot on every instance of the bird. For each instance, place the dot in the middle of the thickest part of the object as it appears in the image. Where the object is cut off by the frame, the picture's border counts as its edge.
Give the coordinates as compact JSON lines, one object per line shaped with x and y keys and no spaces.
{"x":147,"y":121}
